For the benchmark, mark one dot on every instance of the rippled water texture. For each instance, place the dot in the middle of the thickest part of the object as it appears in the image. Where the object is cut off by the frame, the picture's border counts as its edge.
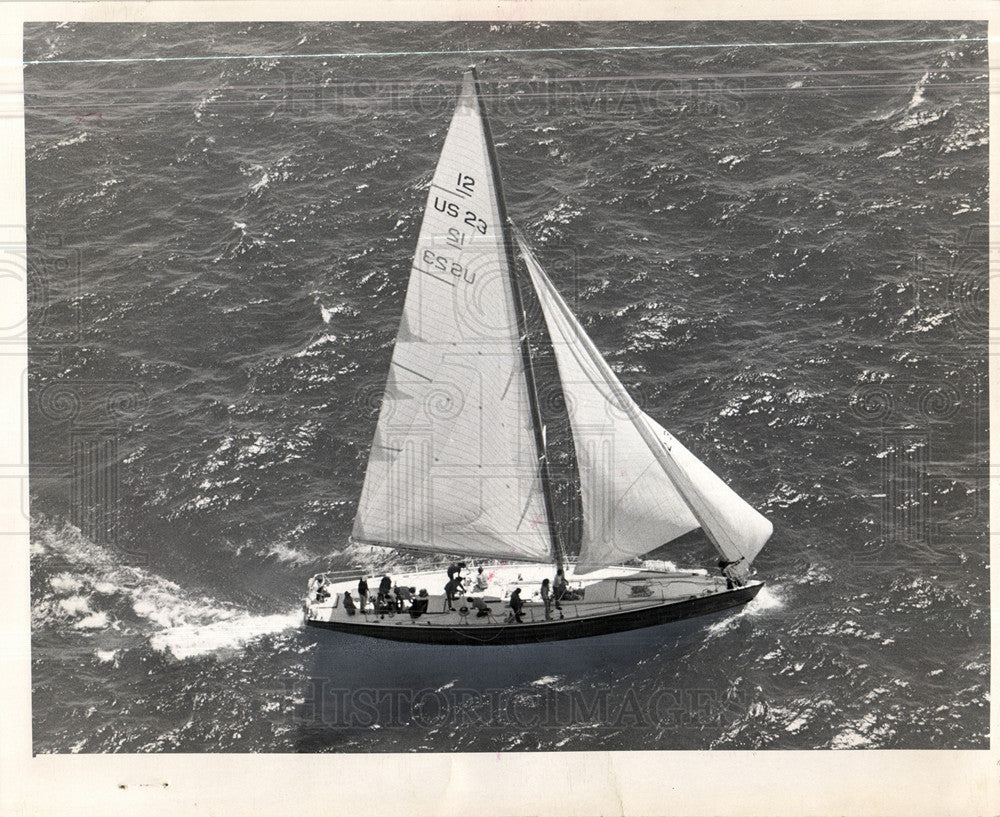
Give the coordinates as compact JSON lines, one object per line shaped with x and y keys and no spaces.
{"x":782,"y":249}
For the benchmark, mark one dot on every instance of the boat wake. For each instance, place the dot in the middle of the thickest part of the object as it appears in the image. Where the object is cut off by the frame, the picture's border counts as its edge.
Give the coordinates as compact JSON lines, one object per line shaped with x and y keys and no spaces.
{"x":81,"y":587}
{"x":220,"y":632}
{"x":766,"y":600}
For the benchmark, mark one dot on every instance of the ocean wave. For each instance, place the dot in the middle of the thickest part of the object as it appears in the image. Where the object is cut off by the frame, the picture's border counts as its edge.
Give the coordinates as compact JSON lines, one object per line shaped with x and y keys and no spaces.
{"x":284,"y":552}
{"x":315,"y":347}
{"x":264,"y":175}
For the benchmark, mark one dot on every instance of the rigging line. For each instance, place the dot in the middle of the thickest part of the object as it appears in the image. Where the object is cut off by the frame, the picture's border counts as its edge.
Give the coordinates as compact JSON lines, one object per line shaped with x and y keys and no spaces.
{"x":466,"y":52}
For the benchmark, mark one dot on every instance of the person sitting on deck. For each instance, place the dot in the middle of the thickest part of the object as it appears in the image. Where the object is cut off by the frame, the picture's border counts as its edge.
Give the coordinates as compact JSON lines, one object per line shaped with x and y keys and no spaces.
{"x":481,"y":582}
{"x":515,"y":606}
{"x":419,"y":605}
{"x":482,"y":609}
{"x":349,"y":603}
{"x":322,"y":594}
{"x":452,"y":591}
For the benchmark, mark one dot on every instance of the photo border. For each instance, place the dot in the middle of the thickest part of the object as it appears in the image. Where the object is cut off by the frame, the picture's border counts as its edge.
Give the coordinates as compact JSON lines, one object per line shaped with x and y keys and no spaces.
{"x":769,"y":782}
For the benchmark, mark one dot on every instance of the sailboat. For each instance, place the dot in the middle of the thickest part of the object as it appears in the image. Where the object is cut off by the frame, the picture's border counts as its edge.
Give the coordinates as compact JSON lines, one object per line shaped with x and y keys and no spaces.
{"x":459,"y":465}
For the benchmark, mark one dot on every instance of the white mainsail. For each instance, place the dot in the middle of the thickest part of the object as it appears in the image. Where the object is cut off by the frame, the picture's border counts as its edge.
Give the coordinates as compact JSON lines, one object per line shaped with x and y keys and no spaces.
{"x":640,"y":487}
{"x":454,"y":467}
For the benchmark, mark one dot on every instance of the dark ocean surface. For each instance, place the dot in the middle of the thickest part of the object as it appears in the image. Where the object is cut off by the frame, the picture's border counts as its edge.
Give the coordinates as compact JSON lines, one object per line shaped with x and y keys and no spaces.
{"x":781,"y":248}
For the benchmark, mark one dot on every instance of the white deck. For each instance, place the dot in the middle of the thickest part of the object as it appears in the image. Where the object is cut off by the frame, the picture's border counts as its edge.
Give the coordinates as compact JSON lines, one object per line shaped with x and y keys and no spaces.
{"x":604,"y":591}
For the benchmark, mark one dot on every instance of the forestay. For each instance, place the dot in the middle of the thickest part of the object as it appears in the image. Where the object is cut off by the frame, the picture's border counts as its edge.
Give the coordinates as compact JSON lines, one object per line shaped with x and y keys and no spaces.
{"x":640,"y":487}
{"x":454,"y":465}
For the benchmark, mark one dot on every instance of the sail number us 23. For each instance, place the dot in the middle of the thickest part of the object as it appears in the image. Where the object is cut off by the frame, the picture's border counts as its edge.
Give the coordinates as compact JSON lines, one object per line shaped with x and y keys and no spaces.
{"x":464,"y":186}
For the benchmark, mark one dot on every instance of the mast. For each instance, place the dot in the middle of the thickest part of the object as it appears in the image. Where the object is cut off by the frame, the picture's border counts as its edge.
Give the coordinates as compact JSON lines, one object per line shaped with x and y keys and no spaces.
{"x":529,"y":371}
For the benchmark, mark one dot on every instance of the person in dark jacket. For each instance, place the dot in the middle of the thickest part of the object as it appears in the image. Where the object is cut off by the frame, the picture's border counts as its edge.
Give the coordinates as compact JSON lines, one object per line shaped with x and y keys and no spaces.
{"x":419,"y":605}
{"x":452,"y":591}
{"x":362,"y":593}
{"x":384,"y":603}
{"x":349,"y":603}
{"x":403,"y":595}
{"x":515,"y":605}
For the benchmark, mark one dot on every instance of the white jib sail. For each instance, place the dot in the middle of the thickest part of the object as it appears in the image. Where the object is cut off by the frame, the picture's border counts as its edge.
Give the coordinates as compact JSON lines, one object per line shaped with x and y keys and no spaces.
{"x":454,"y":466}
{"x":640,"y":487}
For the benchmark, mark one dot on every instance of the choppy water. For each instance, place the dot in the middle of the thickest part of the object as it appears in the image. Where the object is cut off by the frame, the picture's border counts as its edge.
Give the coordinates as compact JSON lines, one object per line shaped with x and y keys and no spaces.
{"x":781,"y":248}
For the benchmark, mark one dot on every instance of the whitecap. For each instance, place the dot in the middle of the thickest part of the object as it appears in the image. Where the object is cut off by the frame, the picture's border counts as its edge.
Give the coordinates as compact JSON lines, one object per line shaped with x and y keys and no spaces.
{"x":261,"y":183}
{"x":284,"y":552}
{"x":74,"y":605}
{"x":73,"y":140}
{"x":918,"y":119}
{"x":65,"y":583}
{"x":965,"y":139}
{"x":204,"y":103}
{"x":849,"y":739}
{"x":918,"y":92}
{"x":797,"y":724}
{"x":194,"y":639}
{"x":314,"y":347}
{"x":95,"y":621}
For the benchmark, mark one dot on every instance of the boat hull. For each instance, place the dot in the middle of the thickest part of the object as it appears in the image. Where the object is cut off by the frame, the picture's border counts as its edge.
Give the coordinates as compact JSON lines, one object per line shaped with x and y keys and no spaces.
{"x":585,"y":626}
